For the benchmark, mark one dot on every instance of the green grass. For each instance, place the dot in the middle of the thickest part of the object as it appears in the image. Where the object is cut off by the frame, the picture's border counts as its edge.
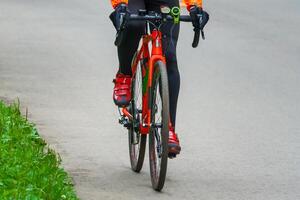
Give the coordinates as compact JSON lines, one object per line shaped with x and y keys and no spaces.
{"x":29,"y":170}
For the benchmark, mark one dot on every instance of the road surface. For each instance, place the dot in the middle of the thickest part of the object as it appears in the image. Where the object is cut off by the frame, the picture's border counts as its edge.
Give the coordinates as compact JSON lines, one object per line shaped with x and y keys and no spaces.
{"x":239,"y":108}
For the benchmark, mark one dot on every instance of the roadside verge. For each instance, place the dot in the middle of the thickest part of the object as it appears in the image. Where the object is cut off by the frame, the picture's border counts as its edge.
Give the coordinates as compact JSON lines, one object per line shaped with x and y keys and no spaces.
{"x":29,"y":169}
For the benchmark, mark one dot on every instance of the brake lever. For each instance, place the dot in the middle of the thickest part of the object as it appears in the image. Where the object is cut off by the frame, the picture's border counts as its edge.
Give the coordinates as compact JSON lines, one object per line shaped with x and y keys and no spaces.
{"x":120,"y":29}
{"x":122,"y":24}
{"x":201,"y":28}
{"x":202,"y":35}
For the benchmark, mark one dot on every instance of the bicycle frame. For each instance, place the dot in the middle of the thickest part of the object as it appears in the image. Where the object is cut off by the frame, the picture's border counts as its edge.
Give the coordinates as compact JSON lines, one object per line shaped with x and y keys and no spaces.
{"x":141,"y":118}
{"x":156,"y":55}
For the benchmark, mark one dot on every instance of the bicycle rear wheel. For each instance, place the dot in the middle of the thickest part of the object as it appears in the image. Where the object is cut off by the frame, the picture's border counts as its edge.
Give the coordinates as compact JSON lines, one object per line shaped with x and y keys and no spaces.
{"x":159,"y":131}
{"x":137,"y":141}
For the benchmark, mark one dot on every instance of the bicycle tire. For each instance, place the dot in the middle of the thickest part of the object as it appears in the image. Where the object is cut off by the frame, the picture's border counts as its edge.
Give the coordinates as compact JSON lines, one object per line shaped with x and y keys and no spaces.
{"x":136,"y":140}
{"x":158,"y":142}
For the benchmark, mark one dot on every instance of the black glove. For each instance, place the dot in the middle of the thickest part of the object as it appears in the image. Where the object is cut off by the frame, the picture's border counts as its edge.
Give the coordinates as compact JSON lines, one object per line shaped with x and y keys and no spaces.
{"x":119,"y":16}
{"x":199,"y":17}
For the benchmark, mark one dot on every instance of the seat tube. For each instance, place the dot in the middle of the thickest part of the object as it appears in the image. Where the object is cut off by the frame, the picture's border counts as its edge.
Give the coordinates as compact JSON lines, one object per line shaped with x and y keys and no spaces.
{"x":144,"y":129}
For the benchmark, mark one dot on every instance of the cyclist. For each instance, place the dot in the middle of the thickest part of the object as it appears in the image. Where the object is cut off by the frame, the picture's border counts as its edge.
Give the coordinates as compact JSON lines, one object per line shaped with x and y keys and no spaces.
{"x":132,"y":34}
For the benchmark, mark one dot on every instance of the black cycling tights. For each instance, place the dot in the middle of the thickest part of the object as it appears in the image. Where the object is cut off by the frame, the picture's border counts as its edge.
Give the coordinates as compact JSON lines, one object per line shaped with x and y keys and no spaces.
{"x":170,"y":36}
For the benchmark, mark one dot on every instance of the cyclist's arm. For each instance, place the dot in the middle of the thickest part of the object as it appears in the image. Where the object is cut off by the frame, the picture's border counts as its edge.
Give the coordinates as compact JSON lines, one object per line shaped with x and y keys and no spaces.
{"x":115,"y":3}
{"x":190,"y":3}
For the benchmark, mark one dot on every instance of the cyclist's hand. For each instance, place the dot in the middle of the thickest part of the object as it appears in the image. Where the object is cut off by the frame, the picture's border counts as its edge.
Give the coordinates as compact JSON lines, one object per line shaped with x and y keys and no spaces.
{"x":199,"y":17}
{"x":119,"y":16}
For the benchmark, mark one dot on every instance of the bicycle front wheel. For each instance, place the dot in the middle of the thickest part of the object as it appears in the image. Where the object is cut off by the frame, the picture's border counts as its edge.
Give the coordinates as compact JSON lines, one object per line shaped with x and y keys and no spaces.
{"x":159,"y":131}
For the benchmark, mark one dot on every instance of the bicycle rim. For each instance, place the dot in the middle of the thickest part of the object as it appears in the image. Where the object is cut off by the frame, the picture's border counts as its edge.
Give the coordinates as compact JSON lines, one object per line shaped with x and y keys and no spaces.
{"x":159,"y":132}
{"x":137,"y":141}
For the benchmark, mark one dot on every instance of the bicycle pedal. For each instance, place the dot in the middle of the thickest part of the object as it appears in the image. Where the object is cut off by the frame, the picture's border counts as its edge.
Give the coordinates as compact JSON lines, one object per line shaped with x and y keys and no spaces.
{"x":172,"y":155}
{"x":127,"y":125}
{"x":124,"y":122}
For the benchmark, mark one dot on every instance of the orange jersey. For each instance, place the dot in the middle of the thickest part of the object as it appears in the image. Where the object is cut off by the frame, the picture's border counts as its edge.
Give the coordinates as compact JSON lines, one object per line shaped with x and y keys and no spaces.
{"x":188,"y":3}
{"x":114,"y":3}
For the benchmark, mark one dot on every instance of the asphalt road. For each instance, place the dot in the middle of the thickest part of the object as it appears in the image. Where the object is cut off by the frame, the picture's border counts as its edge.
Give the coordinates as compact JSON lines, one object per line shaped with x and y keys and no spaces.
{"x":239,"y":109}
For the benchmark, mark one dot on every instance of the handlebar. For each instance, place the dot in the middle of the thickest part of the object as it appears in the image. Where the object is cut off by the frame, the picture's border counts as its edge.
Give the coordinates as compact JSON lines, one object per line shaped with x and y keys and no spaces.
{"x":160,"y":18}
{"x":157,"y":17}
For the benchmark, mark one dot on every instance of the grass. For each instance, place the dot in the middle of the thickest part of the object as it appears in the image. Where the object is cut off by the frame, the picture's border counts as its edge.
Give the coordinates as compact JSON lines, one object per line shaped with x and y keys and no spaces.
{"x":29,"y":169}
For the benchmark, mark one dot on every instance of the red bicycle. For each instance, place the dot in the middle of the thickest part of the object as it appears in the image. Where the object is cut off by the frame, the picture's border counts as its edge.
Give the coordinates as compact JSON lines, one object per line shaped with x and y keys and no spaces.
{"x":148,"y":112}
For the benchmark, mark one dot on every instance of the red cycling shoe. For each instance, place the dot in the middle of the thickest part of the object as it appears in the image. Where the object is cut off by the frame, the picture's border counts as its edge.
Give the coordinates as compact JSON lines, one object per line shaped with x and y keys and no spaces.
{"x":173,"y":143}
{"x":122,"y":90}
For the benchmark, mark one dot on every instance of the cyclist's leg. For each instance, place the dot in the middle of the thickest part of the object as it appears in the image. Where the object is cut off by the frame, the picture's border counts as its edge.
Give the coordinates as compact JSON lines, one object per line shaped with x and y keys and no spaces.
{"x":170,"y":32}
{"x":131,"y":40}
